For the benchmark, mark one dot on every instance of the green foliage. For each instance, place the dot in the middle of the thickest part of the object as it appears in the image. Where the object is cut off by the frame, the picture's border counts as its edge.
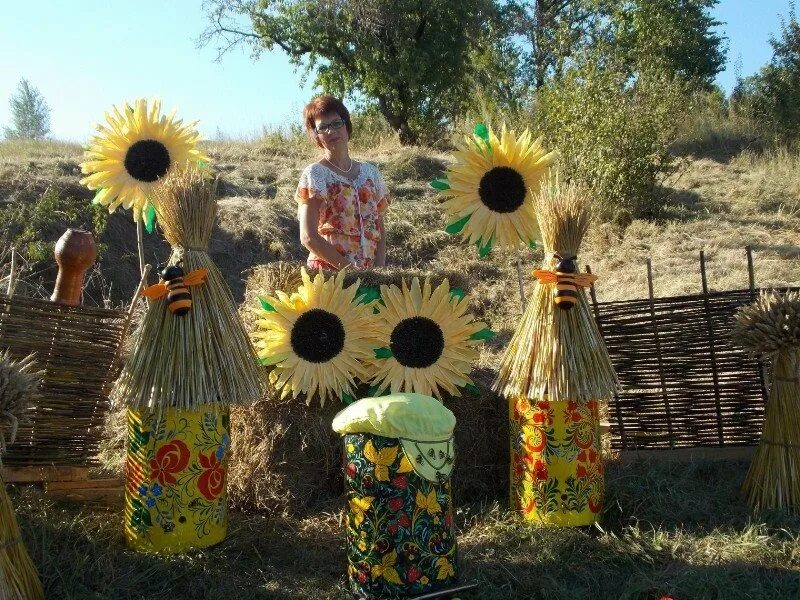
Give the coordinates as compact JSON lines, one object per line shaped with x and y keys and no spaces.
{"x":410,"y":59}
{"x":772,"y":96}
{"x":675,"y":36}
{"x":34,"y":227}
{"x":613,"y":134}
{"x":29,"y":114}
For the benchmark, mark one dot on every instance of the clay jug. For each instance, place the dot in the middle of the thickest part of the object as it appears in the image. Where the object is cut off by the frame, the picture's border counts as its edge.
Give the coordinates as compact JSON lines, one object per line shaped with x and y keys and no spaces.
{"x":75,"y":252}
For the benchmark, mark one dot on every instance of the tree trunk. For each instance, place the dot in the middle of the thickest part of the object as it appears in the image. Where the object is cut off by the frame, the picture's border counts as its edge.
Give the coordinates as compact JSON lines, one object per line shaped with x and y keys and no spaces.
{"x":399,"y":123}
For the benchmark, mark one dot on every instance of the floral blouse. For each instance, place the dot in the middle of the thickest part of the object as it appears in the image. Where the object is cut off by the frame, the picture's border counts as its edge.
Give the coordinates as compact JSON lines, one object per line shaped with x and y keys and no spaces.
{"x":349,"y":213}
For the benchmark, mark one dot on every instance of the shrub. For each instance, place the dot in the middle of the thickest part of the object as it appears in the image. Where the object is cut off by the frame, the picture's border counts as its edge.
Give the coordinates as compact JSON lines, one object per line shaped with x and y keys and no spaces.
{"x":35,"y":226}
{"x":613,"y":132}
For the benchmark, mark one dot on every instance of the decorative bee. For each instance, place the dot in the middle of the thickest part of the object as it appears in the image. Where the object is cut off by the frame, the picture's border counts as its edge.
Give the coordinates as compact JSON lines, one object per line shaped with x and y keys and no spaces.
{"x":176,"y":286}
{"x":567,"y":280}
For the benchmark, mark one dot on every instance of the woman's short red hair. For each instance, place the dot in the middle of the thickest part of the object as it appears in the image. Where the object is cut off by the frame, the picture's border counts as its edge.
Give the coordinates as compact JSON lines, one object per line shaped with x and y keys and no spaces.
{"x":322,"y":105}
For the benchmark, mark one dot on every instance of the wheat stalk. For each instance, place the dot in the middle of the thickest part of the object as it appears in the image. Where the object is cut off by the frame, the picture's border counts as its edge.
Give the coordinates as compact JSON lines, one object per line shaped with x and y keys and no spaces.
{"x":554,"y":352}
{"x":205,"y":356}
{"x":770,"y":328}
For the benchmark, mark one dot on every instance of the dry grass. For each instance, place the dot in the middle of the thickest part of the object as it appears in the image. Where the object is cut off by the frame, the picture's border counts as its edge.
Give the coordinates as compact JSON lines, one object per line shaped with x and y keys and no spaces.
{"x":675,"y":529}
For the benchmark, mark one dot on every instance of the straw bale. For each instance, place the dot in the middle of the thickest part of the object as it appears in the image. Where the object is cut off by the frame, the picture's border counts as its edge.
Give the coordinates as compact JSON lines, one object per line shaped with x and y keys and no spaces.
{"x":287,"y":460}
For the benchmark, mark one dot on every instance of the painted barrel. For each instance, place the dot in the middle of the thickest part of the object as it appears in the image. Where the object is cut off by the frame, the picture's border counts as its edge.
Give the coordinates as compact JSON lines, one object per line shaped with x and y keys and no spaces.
{"x":400,"y":536}
{"x":176,"y":489}
{"x":556,"y":464}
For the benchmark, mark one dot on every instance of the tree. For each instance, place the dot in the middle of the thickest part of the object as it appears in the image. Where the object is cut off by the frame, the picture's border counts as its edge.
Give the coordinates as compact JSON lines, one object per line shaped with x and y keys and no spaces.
{"x":676,"y":36}
{"x":29,"y":113}
{"x":410,"y":58}
{"x":772,"y":96}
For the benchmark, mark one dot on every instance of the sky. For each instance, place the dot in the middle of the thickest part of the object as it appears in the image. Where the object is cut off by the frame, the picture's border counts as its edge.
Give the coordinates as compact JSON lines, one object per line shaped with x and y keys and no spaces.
{"x":85,"y":56}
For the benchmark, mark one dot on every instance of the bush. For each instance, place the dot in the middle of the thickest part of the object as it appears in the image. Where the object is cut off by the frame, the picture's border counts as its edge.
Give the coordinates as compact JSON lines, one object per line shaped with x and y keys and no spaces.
{"x":772,"y":96}
{"x":613,"y":133}
{"x":35,"y":226}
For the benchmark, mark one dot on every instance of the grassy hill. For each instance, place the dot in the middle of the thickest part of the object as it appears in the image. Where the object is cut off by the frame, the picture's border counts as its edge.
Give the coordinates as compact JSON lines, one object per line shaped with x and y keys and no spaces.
{"x":719,"y":205}
{"x":674,"y":529}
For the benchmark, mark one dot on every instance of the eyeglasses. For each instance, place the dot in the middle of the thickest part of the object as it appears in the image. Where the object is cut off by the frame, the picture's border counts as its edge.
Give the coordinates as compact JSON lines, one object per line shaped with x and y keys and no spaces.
{"x":328,"y":127}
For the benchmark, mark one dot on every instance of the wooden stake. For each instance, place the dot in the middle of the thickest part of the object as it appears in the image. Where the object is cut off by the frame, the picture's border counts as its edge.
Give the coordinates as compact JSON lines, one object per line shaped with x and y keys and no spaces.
{"x":751,"y":274}
{"x":13,"y":275}
{"x":659,"y":355}
{"x":712,"y":351}
{"x":521,"y":285}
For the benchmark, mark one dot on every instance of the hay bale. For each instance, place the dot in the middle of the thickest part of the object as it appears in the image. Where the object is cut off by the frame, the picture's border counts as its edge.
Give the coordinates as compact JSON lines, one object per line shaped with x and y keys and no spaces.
{"x":287,"y":460}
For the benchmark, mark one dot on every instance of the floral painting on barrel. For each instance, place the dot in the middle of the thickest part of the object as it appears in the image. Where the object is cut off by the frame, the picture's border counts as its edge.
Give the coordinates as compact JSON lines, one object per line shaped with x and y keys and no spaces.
{"x":400,"y":533}
{"x":556,"y":464}
{"x":176,"y":493}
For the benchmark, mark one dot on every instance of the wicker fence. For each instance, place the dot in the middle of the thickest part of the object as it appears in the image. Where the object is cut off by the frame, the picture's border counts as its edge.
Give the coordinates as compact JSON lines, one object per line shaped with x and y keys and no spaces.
{"x":77,"y":347}
{"x":685,"y":382}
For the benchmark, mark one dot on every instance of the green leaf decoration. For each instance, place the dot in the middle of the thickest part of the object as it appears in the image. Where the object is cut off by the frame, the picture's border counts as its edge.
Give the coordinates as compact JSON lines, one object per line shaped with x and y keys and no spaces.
{"x":149,"y":217}
{"x":367,"y":294}
{"x":138,"y":438}
{"x":456,"y":227}
{"x":484,"y":250}
{"x":481,"y":131}
{"x":266,"y":305}
{"x":347,"y":399}
{"x":472,"y":389}
{"x":383,"y":353}
{"x":457,"y":293}
{"x":95,"y":200}
{"x":440,"y":184}
{"x":532,"y":244}
{"x":375,"y":391}
{"x":273,"y":360}
{"x":483,"y":334}
{"x":201,"y":163}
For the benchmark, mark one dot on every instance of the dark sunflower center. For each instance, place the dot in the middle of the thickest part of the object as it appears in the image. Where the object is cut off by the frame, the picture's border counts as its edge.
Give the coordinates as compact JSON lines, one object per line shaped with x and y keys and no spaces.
{"x":417,"y":342}
{"x":147,"y":160}
{"x":317,"y":336}
{"x":502,"y":189}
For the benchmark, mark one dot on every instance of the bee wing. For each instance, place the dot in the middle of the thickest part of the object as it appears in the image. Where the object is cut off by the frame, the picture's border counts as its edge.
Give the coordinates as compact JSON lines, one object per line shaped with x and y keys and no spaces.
{"x":545,"y":276}
{"x":585,"y":279}
{"x":155,"y":291}
{"x":195,"y":277}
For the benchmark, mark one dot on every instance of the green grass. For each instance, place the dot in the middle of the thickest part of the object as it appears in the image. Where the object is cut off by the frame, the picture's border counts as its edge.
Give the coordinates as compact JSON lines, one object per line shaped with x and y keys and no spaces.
{"x":669,"y":529}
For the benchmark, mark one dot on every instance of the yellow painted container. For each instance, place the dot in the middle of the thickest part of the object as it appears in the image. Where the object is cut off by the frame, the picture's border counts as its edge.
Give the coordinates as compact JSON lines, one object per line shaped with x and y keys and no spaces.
{"x":556,"y":466}
{"x":176,"y":490}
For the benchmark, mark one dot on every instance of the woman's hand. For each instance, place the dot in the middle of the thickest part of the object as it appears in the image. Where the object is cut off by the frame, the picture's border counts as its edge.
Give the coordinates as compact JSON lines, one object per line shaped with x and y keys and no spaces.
{"x":380,"y":251}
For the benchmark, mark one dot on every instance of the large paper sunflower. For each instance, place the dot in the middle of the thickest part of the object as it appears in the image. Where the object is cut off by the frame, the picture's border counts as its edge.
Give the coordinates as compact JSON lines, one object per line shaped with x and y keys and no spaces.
{"x":489,"y":189}
{"x":317,"y":338}
{"x":137,"y":148}
{"x":428,"y":340}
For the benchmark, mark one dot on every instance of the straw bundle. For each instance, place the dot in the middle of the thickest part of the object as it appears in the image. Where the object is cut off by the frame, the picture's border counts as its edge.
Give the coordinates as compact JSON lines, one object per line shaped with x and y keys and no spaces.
{"x":19,"y":388}
{"x":770,"y":328}
{"x":205,"y":356}
{"x":558,"y":353}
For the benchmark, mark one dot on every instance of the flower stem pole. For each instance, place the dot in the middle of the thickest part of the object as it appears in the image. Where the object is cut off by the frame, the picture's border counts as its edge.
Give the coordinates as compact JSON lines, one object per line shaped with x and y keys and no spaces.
{"x":519,"y":280}
{"x":140,"y":246}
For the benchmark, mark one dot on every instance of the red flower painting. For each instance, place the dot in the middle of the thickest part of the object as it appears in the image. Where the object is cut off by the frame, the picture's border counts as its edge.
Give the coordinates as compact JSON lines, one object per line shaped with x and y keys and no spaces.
{"x":170,"y":459}
{"x":212,"y":480}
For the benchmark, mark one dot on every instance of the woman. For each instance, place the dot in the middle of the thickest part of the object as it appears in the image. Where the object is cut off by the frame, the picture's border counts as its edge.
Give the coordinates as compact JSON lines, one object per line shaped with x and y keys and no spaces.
{"x":341,"y":201}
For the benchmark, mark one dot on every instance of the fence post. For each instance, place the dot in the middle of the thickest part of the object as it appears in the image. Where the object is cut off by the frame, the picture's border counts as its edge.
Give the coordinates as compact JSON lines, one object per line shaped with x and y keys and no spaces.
{"x":751,"y":273}
{"x":596,"y":310}
{"x":751,"y":276}
{"x":712,"y":350}
{"x":659,"y":355}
